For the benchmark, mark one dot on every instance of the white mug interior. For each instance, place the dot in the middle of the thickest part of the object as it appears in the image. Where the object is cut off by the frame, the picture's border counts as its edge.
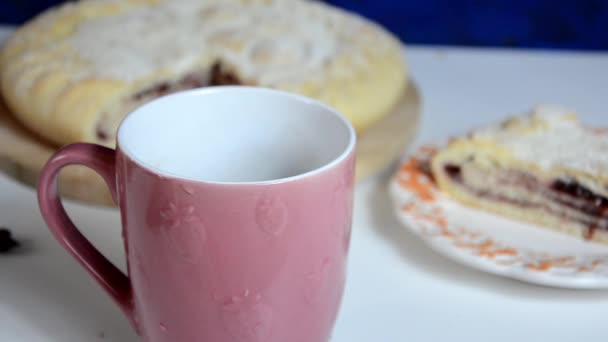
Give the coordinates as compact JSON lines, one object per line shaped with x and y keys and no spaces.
{"x":236,"y":134}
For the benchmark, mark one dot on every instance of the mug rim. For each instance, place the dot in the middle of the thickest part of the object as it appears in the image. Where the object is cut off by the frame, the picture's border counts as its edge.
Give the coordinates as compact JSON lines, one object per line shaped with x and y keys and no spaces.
{"x":206,"y":91}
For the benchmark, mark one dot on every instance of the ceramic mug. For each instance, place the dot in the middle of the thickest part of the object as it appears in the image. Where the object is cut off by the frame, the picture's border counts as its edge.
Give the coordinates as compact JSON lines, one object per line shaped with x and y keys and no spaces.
{"x":236,"y":207}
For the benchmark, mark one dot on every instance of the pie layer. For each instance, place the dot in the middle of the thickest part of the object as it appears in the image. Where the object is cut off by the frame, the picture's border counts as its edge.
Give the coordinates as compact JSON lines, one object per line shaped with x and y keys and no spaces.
{"x":544,"y":168}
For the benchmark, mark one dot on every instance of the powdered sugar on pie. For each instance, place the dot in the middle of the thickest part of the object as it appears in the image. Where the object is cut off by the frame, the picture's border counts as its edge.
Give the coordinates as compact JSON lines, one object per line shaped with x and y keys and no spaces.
{"x":274,"y":42}
{"x":551,"y":137}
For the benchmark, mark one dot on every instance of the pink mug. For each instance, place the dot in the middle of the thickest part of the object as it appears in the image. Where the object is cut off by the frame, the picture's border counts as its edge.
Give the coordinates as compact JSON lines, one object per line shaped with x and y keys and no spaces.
{"x":236,"y":207}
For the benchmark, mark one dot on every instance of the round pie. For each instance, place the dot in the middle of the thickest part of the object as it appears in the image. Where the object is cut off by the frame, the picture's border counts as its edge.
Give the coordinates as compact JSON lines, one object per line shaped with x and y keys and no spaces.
{"x":75,"y":71}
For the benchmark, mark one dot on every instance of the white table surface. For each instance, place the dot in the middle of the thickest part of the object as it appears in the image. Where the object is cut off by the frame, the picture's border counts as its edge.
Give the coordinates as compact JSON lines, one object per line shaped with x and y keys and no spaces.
{"x":398,"y":289}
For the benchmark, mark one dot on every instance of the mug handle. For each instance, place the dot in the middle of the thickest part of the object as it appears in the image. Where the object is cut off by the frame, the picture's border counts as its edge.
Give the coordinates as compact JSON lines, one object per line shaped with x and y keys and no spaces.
{"x":102,"y":160}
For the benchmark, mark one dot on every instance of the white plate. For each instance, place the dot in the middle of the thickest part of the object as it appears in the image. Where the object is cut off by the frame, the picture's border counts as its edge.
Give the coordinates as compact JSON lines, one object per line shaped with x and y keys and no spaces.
{"x":491,"y":243}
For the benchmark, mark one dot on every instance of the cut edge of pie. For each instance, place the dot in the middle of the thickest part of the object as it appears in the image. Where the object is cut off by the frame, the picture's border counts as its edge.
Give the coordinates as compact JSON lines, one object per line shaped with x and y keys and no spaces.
{"x":544,"y":168}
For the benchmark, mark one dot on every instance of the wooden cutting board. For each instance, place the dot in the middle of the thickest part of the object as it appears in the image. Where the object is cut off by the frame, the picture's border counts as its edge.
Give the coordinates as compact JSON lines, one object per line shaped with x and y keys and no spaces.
{"x":22,"y":154}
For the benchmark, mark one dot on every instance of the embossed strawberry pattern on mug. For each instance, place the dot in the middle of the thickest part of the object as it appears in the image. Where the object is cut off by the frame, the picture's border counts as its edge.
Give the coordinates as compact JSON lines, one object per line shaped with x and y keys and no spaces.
{"x":315,"y":283}
{"x":271,"y":215}
{"x":137,"y":265}
{"x":342,"y":203}
{"x":184,"y":231}
{"x":189,"y":190}
{"x":247,"y":318}
{"x":347,"y":228}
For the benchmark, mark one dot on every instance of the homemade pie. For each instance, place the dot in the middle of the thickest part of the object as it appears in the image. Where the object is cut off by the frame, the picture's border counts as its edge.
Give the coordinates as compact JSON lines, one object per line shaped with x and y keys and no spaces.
{"x":545,"y":168}
{"x":74,"y":72}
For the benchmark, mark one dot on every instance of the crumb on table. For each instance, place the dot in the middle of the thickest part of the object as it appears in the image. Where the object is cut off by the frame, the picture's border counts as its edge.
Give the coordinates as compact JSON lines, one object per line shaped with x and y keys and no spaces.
{"x":7,"y":242}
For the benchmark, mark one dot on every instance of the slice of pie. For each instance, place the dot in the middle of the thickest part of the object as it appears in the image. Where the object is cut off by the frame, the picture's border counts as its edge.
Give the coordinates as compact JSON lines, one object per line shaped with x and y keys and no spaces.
{"x":544,"y":168}
{"x":74,"y":72}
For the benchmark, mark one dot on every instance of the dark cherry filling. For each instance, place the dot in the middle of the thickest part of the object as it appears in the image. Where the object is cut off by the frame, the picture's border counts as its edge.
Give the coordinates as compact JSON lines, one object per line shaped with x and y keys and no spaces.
{"x":584,"y":199}
{"x":192,"y":81}
{"x":454,"y":172}
{"x":101,"y":135}
{"x":219,"y":76}
{"x":574,"y":189}
{"x":157,"y":90}
{"x":594,"y":205}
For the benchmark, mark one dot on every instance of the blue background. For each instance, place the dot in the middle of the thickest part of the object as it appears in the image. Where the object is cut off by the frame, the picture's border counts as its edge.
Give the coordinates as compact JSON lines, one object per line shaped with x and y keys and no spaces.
{"x":565,"y":24}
